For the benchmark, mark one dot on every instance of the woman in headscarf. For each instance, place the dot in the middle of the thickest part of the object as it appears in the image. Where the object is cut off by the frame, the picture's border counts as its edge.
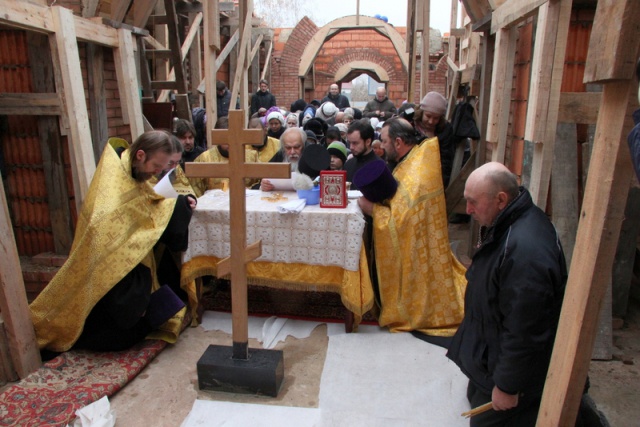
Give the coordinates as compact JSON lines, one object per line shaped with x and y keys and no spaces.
{"x":275,"y":123}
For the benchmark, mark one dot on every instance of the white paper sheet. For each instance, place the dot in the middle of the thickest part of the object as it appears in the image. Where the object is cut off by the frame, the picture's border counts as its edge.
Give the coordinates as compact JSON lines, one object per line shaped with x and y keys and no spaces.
{"x":164,"y":187}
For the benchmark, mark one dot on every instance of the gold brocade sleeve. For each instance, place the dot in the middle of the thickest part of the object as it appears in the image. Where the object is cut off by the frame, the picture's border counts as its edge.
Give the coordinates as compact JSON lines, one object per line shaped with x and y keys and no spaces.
{"x":120,"y":222}
{"x":421,"y":282}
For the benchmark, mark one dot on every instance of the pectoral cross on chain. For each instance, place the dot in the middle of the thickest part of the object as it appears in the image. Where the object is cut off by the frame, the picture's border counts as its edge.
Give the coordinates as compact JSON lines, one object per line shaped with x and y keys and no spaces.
{"x":237,"y":170}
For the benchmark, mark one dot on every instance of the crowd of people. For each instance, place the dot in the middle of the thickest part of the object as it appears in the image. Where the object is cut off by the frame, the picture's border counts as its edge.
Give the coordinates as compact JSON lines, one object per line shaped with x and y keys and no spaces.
{"x":401,"y":160}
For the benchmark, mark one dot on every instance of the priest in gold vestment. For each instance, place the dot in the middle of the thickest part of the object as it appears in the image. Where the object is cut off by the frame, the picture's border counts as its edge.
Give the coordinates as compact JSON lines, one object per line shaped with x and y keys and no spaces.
{"x":421,"y":283}
{"x":107,"y":296}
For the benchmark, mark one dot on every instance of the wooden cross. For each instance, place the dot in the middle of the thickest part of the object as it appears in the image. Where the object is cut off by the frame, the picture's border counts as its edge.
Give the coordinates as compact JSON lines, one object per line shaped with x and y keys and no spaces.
{"x":237,"y":170}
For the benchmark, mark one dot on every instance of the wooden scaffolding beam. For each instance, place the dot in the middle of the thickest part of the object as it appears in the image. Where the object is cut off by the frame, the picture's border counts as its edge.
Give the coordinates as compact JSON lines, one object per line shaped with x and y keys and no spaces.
{"x":613,"y":42}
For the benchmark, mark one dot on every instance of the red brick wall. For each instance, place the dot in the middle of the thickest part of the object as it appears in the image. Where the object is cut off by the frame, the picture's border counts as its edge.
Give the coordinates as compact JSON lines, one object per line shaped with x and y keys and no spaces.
{"x":284,"y":65}
{"x":343,"y":48}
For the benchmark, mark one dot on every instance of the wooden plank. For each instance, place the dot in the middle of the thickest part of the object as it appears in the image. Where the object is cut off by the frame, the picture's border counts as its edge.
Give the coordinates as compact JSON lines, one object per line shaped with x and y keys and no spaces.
{"x":183,"y":109}
{"x":487,"y":53}
{"x":33,"y":17}
{"x":90,"y":8}
{"x":142,"y":9}
{"x":154,"y":43}
{"x":597,"y":237}
{"x":245,"y":10}
{"x":611,"y":52}
{"x":267,"y":62}
{"x":195,"y":60}
{"x":213,"y":23}
{"x":254,"y":50}
{"x":476,"y":9}
{"x":95,"y":32}
{"x":128,"y":83}
{"x":470,"y":74}
{"x":119,"y":9}
{"x":97,"y":98}
{"x":453,"y":91}
{"x":211,"y":30}
{"x":242,"y":56}
{"x":501,"y":83}
{"x":544,"y":95}
{"x":564,"y":186}
{"x":511,"y":12}
{"x":579,"y":107}
{"x":55,"y":179}
{"x":411,"y":49}
{"x":411,"y":12}
{"x":30,"y":104}
{"x":23,"y":347}
{"x":83,"y":163}
{"x":254,"y":61}
{"x":424,"y":55}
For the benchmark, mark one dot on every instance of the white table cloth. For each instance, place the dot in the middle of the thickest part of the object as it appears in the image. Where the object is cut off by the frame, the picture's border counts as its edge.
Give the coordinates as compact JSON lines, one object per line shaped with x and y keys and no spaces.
{"x":315,"y":236}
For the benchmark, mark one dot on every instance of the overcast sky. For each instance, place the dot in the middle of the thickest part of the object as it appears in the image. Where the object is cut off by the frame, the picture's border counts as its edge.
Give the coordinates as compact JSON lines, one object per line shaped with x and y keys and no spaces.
{"x":325,"y":11}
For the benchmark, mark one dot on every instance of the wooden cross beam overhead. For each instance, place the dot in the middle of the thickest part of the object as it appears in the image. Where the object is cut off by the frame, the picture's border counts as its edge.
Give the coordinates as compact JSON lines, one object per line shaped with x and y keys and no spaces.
{"x":237,"y":170}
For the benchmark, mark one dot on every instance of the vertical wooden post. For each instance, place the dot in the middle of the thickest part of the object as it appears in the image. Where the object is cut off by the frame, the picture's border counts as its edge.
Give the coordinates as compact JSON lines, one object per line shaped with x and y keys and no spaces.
{"x":83,"y":163}
{"x":486,"y":54}
{"x":97,"y":98}
{"x":13,"y":299}
{"x":128,"y":83}
{"x":501,"y":83}
{"x":452,"y":26}
{"x":211,"y":47}
{"x":593,"y":255}
{"x":424,"y":69}
{"x":544,"y":93}
{"x":411,"y":49}
{"x":614,"y":40}
{"x":196,"y":62}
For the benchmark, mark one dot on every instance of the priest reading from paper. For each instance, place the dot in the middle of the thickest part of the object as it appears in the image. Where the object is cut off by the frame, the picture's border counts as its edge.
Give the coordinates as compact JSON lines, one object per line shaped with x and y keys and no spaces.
{"x":108,"y":295}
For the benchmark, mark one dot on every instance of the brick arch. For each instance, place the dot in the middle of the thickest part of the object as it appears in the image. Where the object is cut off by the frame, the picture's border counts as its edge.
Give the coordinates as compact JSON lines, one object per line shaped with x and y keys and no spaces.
{"x":351,"y":23}
{"x":351,"y":70}
{"x":367,"y":56}
{"x":340,"y":48}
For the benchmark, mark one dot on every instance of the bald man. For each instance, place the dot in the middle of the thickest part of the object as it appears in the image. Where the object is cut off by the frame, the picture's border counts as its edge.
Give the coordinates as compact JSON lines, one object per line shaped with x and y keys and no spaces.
{"x":515,"y":288}
{"x":334,"y":96}
{"x":380,"y":107}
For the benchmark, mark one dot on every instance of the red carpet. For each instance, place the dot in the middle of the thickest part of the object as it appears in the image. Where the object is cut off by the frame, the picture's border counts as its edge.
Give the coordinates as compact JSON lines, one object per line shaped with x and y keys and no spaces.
{"x":51,"y":395}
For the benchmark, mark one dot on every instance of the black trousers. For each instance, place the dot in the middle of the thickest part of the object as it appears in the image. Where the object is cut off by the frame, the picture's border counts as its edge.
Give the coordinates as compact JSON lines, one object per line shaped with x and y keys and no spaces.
{"x":523,"y":415}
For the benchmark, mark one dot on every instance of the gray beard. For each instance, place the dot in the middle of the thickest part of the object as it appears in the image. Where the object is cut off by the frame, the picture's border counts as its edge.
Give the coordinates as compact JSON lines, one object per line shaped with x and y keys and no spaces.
{"x":294,"y":166}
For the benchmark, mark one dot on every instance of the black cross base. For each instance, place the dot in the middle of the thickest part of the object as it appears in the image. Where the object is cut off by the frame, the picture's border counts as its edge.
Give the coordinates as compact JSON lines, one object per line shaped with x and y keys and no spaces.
{"x":261,"y":373}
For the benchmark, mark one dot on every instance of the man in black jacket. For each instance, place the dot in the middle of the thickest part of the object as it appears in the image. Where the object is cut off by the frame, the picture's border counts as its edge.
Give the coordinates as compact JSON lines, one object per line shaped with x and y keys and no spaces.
{"x":262,"y":100}
{"x":334,"y":96}
{"x":360,"y":137}
{"x":515,"y":289}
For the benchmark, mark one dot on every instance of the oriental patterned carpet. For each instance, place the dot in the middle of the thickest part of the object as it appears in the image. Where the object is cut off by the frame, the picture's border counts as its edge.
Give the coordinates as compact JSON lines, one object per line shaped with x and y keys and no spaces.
{"x":262,"y":301}
{"x":51,"y":395}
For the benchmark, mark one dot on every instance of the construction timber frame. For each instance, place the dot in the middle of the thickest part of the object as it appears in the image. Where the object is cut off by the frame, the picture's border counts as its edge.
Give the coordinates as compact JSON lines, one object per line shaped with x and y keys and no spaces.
{"x":613,"y":50}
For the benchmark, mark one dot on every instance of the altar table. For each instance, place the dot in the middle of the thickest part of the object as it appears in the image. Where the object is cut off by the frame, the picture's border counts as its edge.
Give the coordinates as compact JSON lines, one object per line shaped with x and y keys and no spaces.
{"x":317,"y":249}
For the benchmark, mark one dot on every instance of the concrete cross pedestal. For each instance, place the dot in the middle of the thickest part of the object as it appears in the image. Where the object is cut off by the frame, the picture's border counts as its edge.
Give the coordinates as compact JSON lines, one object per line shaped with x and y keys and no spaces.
{"x":238,"y":369}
